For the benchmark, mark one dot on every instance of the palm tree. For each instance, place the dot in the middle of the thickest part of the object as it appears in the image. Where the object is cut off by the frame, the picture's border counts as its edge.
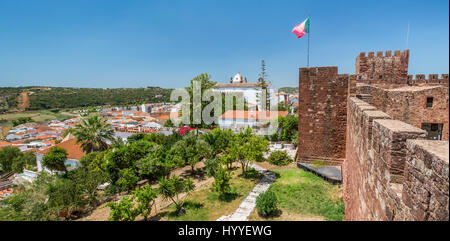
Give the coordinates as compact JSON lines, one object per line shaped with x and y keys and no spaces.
{"x":92,"y":133}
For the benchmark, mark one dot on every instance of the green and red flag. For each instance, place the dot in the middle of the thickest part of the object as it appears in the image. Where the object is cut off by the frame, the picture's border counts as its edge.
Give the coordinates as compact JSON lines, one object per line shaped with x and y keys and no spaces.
{"x":301,"y":29}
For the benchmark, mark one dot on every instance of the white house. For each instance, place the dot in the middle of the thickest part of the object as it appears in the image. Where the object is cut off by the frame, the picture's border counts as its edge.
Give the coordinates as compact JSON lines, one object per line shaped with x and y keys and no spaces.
{"x":74,"y":154}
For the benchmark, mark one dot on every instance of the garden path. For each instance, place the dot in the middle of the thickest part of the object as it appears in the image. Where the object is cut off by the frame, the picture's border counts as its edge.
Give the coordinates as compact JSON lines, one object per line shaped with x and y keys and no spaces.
{"x":246,"y":207}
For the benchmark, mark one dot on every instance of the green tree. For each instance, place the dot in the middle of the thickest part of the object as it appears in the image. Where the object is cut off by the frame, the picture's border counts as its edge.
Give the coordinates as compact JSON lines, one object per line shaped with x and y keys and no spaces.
{"x":127,"y":179}
{"x":30,"y":201}
{"x":87,"y":181}
{"x":192,"y":149}
{"x":212,"y":165}
{"x":11,"y":159}
{"x":64,"y":195}
{"x":263,"y":77}
{"x":94,"y":161}
{"x":157,"y":164}
{"x":93,"y":133}
{"x":247,"y":147}
{"x":29,"y":159}
{"x":55,"y":159}
{"x":145,"y":197}
{"x":116,"y":160}
{"x":218,"y":139}
{"x":205,"y":84}
{"x":221,"y":182}
{"x":288,"y":126}
{"x":263,"y":73}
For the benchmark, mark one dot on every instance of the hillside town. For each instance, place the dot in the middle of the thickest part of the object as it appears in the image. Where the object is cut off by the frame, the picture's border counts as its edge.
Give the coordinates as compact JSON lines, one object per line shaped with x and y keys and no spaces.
{"x":40,"y":138}
{"x":369,"y":142}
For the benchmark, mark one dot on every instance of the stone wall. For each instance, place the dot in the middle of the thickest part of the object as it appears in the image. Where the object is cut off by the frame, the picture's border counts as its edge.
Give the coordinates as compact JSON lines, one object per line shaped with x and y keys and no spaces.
{"x":389,"y":172}
{"x":408,"y":104}
{"x":425,"y":189}
{"x":322,"y":114}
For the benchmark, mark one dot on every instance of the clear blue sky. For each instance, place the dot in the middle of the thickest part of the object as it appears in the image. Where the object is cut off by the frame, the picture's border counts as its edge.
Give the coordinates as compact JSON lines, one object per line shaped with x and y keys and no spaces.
{"x":108,"y":43}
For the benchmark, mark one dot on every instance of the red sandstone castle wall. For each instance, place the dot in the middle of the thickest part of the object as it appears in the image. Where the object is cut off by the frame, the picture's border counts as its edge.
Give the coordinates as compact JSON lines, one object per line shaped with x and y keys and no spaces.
{"x":322,"y":114}
{"x":387,"y":174}
{"x":409,"y":104}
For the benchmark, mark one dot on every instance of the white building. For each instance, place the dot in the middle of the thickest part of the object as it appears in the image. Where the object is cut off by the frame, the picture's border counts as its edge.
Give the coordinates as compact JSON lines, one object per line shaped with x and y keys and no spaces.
{"x":251,"y":92}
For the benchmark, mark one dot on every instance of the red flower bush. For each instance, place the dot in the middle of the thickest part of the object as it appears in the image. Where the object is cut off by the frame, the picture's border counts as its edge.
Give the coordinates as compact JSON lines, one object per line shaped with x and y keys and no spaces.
{"x":184,"y":130}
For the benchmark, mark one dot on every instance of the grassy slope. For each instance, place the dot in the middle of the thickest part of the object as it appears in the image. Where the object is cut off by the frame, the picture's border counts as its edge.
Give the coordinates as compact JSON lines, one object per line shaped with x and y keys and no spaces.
{"x":205,"y":205}
{"x":305,"y":196}
{"x":38,"y":116}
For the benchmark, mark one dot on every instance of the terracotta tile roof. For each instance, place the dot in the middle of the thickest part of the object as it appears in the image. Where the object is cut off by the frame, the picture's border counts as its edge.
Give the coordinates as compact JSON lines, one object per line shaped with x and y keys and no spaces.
{"x":162,"y":117}
{"x":43,"y":137}
{"x":3,"y":143}
{"x":6,"y":192}
{"x":260,"y":115}
{"x":73,"y":149}
{"x":140,"y":113}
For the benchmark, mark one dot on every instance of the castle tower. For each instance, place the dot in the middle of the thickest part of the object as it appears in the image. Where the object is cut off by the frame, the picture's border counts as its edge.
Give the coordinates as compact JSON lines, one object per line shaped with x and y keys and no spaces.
{"x":322,"y":114}
{"x":383,"y":66}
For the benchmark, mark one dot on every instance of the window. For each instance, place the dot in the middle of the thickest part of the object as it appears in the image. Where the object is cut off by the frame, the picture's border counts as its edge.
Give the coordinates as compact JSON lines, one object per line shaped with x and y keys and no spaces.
{"x":429,"y":102}
{"x":434,"y":130}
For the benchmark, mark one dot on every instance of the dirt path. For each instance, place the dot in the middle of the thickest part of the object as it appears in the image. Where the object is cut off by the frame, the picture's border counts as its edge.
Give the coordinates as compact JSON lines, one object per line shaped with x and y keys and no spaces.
{"x":101,"y":213}
{"x":23,"y":101}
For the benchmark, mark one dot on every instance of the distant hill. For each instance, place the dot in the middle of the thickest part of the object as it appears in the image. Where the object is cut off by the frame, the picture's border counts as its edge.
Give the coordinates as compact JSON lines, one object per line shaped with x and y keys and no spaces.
{"x":289,"y":90}
{"x":40,"y":98}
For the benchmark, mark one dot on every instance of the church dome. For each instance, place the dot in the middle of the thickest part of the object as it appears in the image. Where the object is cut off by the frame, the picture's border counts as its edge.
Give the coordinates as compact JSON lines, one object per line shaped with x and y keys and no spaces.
{"x":238,"y":78}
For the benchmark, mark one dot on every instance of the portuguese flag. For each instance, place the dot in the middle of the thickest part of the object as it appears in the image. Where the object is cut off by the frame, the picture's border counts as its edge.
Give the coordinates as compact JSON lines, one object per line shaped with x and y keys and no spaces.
{"x":301,"y":29}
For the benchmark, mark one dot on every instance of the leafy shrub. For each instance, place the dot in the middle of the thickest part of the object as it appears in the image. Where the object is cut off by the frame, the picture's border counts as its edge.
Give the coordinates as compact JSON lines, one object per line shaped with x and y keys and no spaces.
{"x":266,"y":203}
{"x":221,"y":182}
{"x":294,"y":140}
{"x":212,"y":165}
{"x":123,"y":210}
{"x":274,"y":137}
{"x":279,"y":158}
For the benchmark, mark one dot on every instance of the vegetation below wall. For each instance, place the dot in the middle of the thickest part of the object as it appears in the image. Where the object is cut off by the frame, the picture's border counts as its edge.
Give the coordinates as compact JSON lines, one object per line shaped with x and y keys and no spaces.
{"x":58,"y":97}
{"x":305,"y":196}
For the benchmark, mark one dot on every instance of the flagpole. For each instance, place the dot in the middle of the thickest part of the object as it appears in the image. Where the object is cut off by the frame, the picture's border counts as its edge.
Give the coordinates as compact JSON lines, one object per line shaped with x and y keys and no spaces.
{"x":309,"y":33}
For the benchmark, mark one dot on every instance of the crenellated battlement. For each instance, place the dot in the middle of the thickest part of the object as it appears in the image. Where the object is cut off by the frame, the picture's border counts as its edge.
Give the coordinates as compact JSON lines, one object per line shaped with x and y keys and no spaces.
{"x":432,"y":79}
{"x":387,"y":53}
{"x":383,"y":65}
{"x":391,"y":172}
